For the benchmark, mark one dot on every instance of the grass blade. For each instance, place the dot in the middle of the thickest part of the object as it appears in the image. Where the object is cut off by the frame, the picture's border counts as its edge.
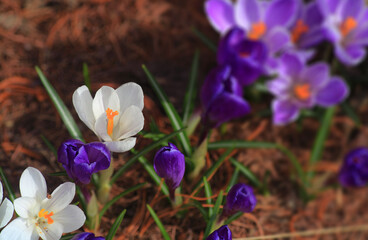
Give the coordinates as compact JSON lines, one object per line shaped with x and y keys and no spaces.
{"x":87,"y":80}
{"x":65,"y":115}
{"x":213,"y":218}
{"x":234,"y":179}
{"x":82,"y":199}
{"x":141,"y":153}
{"x":233,"y":217}
{"x":319,"y":141}
{"x":205,"y":39}
{"x":170,"y":111}
{"x":49,"y":145}
{"x":158,"y":223}
{"x":115,"y":226}
{"x":247,"y":173}
{"x":112,"y":201}
{"x":208,"y":193}
{"x":7,"y":186}
{"x":68,"y":236}
{"x":192,"y":90}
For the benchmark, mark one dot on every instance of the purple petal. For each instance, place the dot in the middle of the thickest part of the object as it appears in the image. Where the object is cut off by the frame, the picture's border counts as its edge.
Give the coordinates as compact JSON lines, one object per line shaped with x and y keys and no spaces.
{"x":223,"y":233}
{"x":247,"y":12}
{"x":213,"y":85}
{"x":220,"y":13}
{"x":352,"y":8}
{"x":281,"y":13}
{"x":333,"y":93}
{"x":284,"y":112}
{"x":312,"y":38}
{"x":277,"y":39}
{"x":279,"y":87}
{"x":290,"y":65}
{"x":99,"y":153}
{"x":328,"y":7}
{"x":316,"y":75}
{"x":350,"y":55}
{"x":312,"y":15}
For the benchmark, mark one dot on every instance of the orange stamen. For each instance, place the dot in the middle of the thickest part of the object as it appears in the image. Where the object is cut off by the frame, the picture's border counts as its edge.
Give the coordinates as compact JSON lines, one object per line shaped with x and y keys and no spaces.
{"x":299,"y":29}
{"x":302,"y":91}
{"x":45,"y":214}
{"x":257,"y":31}
{"x":348,"y":25}
{"x":110,"y":120}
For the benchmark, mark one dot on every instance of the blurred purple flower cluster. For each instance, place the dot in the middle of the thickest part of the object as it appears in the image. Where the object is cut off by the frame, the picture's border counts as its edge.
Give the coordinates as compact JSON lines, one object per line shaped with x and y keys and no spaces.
{"x":279,"y":38}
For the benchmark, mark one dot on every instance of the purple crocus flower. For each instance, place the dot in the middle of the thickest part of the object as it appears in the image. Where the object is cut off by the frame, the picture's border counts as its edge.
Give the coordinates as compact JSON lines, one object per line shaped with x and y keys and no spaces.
{"x":221,"y":97}
{"x":86,"y":236}
{"x":223,"y":233}
{"x":354,"y":171}
{"x":345,"y":25}
{"x":239,"y":198}
{"x":82,"y":160}
{"x":246,"y":57}
{"x":299,"y":86}
{"x":169,"y":163}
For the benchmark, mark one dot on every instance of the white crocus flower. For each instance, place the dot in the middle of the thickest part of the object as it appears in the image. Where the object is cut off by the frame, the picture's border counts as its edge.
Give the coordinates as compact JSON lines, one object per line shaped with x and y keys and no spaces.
{"x":6,"y":209}
{"x":113,"y":115}
{"x":42,"y":215}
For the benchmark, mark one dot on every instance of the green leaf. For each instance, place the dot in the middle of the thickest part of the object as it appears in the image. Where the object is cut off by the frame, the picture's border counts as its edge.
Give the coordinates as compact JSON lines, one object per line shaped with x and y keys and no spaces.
{"x":205,"y":39}
{"x":49,"y":145}
{"x":115,"y":226}
{"x":8,"y":187}
{"x":208,"y":193}
{"x":319,"y":142}
{"x":60,"y":106}
{"x":68,"y":236}
{"x":116,"y":198}
{"x":234,"y":179}
{"x":201,"y":209}
{"x":247,"y":173}
{"x":81,"y":198}
{"x":233,"y":217}
{"x":141,"y":153}
{"x":170,"y":111}
{"x":87,"y":80}
{"x":158,"y":223}
{"x":192,"y":90}
{"x":213,"y":218}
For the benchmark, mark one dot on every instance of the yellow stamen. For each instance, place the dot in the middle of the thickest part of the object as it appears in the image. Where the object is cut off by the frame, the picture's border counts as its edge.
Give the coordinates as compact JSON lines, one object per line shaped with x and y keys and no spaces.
{"x":302,"y":91}
{"x":348,"y":25}
{"x":257,"y":31}
{"x":45,"y":214}
{"x":299,"y":29}
{"x":110,"y":120}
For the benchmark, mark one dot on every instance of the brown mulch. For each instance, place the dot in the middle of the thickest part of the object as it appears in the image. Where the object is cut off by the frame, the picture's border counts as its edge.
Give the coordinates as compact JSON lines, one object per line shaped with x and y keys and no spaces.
{"x":115,"y":38}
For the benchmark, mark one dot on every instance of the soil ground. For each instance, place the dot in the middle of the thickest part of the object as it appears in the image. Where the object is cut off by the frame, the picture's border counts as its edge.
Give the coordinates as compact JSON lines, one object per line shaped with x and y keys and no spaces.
{"x":115,"y":38}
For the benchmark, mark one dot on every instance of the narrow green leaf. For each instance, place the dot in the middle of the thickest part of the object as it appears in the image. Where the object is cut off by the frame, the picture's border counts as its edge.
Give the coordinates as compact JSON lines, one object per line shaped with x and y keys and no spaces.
{"x":116,"y":198}
{"x":7,"y":186}
{"x":192,"y":90}
{"x":208,"y":193}
{"x":247,"y":173}
{"x":60,"y":106}
{"x":68,"y":236}
{"x":81,"y":198}
{"x":205,"y":39}
{"x":233,"y":217}
{"x":141,"y":153}
{"x":158,"y":223}
{"x":213,"y":218}
{"x":351,"y":113}
{"x":319,"y":142}
{"x":170,"y":111}
{"x":115,"y":226}
{"x":234,"y":179}
{"x":200,"y":209}
{"x":49,"y":145}
{"x":151,"y":171}
{"x":87,"y":80}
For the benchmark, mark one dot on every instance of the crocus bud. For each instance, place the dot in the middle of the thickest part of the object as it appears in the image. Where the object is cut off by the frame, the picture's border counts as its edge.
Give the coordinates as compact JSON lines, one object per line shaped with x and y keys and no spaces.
{"x":354,"y":171}
{"x":82,"y":160}
{"x":169,"y":163}
{"x":223,"y":233}
{"x":86,"y":236}
{"x":239,"y":198}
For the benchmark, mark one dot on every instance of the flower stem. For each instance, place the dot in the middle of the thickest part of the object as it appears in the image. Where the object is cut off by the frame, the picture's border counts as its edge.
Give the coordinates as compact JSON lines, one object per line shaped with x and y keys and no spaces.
{"x":104,"y":184}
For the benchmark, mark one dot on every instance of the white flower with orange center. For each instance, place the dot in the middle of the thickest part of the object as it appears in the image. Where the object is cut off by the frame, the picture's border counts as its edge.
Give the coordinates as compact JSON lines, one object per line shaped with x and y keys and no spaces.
{"x":40,"y":214}
{"x":6,"y":209}
{"x":113,"y":115}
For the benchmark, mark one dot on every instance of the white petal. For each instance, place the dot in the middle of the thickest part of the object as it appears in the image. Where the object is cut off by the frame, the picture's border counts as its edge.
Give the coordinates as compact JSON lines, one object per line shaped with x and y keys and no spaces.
{"x":130,"y":94}
{"x":121,"y":146}
{"x":26,"y":207}
{"x":71,"y":218}
{"x":105,"y":97}
{"x":18,"y":229}
{"x":61,"y":197}
{"x":6,"y":212}
{"x":101,"y":128}
{"x":130,"y":123}
{"x":82,"y":101}
{"x":50,"y":231}
{"x":1,"y":191}
{"x":32,"y":184}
